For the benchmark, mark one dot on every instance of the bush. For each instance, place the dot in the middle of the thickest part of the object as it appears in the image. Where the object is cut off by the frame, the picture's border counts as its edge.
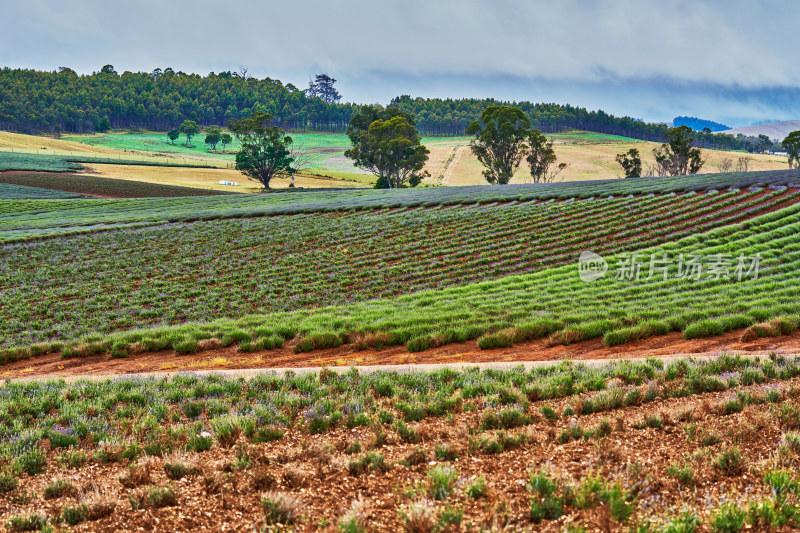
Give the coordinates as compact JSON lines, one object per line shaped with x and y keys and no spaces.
{"x":154,"y":497}
{"x":280,"y":507}
{"x":75,"y":515}
{"x":477,"y":488}
{"x":729,"y":518}
{"x":704,"y":328}
{"x":186,"y":346}
{"x":59,"y":488}
{"x":318,"y":341}
{"x":730,"y":462}
{"x":442,"y":480}
{"x":31,"y":462}
{"x":491,"y":341}
{"x":420,"y":343}
{"x":8,"y":481}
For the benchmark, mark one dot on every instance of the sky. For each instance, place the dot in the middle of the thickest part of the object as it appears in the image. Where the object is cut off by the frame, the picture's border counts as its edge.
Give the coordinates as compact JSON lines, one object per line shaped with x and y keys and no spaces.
{"x":732,"y":61}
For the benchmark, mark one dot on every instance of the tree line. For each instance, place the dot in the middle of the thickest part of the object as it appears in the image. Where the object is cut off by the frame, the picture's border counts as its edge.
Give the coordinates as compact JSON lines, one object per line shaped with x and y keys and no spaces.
{"x":63,"y":101}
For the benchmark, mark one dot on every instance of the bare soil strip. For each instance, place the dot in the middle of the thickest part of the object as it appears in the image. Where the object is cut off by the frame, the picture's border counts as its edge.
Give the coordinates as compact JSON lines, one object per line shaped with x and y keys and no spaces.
{"x":466,"y":353}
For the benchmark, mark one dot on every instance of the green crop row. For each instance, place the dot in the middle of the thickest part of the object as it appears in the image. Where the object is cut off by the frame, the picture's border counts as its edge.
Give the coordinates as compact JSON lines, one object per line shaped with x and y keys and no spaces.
{"x":168,"y":274}
{"x":22,"y":222}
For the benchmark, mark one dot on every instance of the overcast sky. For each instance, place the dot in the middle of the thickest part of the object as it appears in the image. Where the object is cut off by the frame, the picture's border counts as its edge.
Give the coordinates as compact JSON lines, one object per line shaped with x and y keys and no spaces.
{"x":729,"y":60}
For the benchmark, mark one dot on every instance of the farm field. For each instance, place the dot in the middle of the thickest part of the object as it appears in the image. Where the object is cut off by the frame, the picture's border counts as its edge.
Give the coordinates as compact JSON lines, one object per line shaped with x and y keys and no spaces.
{"x":641,"y":446}
{"x":445,"y":274}
{"x":300,"y":264}
{"x":93,"y":186}
{"x":23,"y":220}
{"x":181,"y":272}
{"x":590,"y":156}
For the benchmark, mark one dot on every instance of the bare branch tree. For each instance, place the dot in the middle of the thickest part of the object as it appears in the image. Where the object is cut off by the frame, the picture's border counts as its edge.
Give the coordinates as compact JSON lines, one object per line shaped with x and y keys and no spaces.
{"x":726,"y":165}
{"x":300,"y":161}
{"x":743,"y":164}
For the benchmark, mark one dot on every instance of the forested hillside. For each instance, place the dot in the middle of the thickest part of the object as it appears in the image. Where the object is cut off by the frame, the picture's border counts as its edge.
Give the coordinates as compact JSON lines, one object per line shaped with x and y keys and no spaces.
{"x":36,"y":101}
{"x":63,"y":101}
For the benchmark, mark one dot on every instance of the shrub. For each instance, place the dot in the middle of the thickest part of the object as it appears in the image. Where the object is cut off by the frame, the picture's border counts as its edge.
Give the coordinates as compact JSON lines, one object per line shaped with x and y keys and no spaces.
{"x":200,"y":443}
{"x":185,"y":346}
{"x":33,"y":522}
{"x":154,"y":497}
{"x":318,"y":341}
{"x":491,"y":341}
{"x":730,"y":462}
{"x":407,"y":434}
{"x":59,"y":488}
{"x":176,"y":469}
{"x":371,"y":461}
{"x":548,"y":412}
{"x":420,"y":343}
{"x":8,"y":481}
{"x":704,"y":328}
{"x":684,"y":474}
{"x":477,"y":489}
{"x":75,"y":515}
{"x":31,"y":462}
{"x":442,"y":480}
{"x":267,"y":434}
{"x":729,"y":518}
{"x":281,"y":507}
{"x":445,"y":452}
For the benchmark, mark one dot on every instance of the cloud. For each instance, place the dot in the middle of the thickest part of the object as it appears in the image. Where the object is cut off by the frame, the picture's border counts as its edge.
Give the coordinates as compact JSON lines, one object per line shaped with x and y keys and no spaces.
{"x":734,"y":43}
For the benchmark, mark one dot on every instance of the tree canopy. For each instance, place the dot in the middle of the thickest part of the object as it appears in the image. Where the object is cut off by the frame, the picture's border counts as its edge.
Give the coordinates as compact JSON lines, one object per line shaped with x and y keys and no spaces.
{"x":678,"y":156}
{"x":190,"y":129}
{"x":631,"y":163}
{"x":265,"y":153}
{"x":792,"y":146}
{"x":386,"y":142}
{"x":213,"y":136}
{"x":542,"y":159}
{"x":500,"y":141}
{"x":322,"y":87}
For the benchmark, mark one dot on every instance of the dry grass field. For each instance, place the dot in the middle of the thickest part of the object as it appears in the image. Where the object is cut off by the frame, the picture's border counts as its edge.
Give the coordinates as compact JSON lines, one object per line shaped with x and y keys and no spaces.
{"x":588,"y":159}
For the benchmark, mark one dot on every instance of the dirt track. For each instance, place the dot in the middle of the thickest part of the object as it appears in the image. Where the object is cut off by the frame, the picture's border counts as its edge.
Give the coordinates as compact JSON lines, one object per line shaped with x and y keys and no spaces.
{"x":666,"y":346}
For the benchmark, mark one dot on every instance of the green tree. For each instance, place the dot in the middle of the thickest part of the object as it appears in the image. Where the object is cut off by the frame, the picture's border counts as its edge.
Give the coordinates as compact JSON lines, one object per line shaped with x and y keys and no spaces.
{"x":225,"y":139}
{"x":213,"y":136}
{"x":173,"y":135}
{"x":499,"y":141}
{"x":792,"y":146}
{"x":678,"y":156}
{"x":190,"y":129}
{"x":386,"y":143}
{"x":542,"y":159}
{"x":264,"y":154}
{"x":631,"y":163}
{"x":103,"y":125}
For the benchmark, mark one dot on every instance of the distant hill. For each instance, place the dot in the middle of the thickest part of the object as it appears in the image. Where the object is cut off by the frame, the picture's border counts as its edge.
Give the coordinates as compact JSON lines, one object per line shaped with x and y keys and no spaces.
{"x":775,"y":130}
{"x":699,"y":124}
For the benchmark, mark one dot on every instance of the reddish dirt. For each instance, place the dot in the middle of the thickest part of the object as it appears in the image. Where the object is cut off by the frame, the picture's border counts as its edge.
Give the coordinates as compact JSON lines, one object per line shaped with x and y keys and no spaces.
{"x":465,"y":352}
{"x":314,"y":469}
